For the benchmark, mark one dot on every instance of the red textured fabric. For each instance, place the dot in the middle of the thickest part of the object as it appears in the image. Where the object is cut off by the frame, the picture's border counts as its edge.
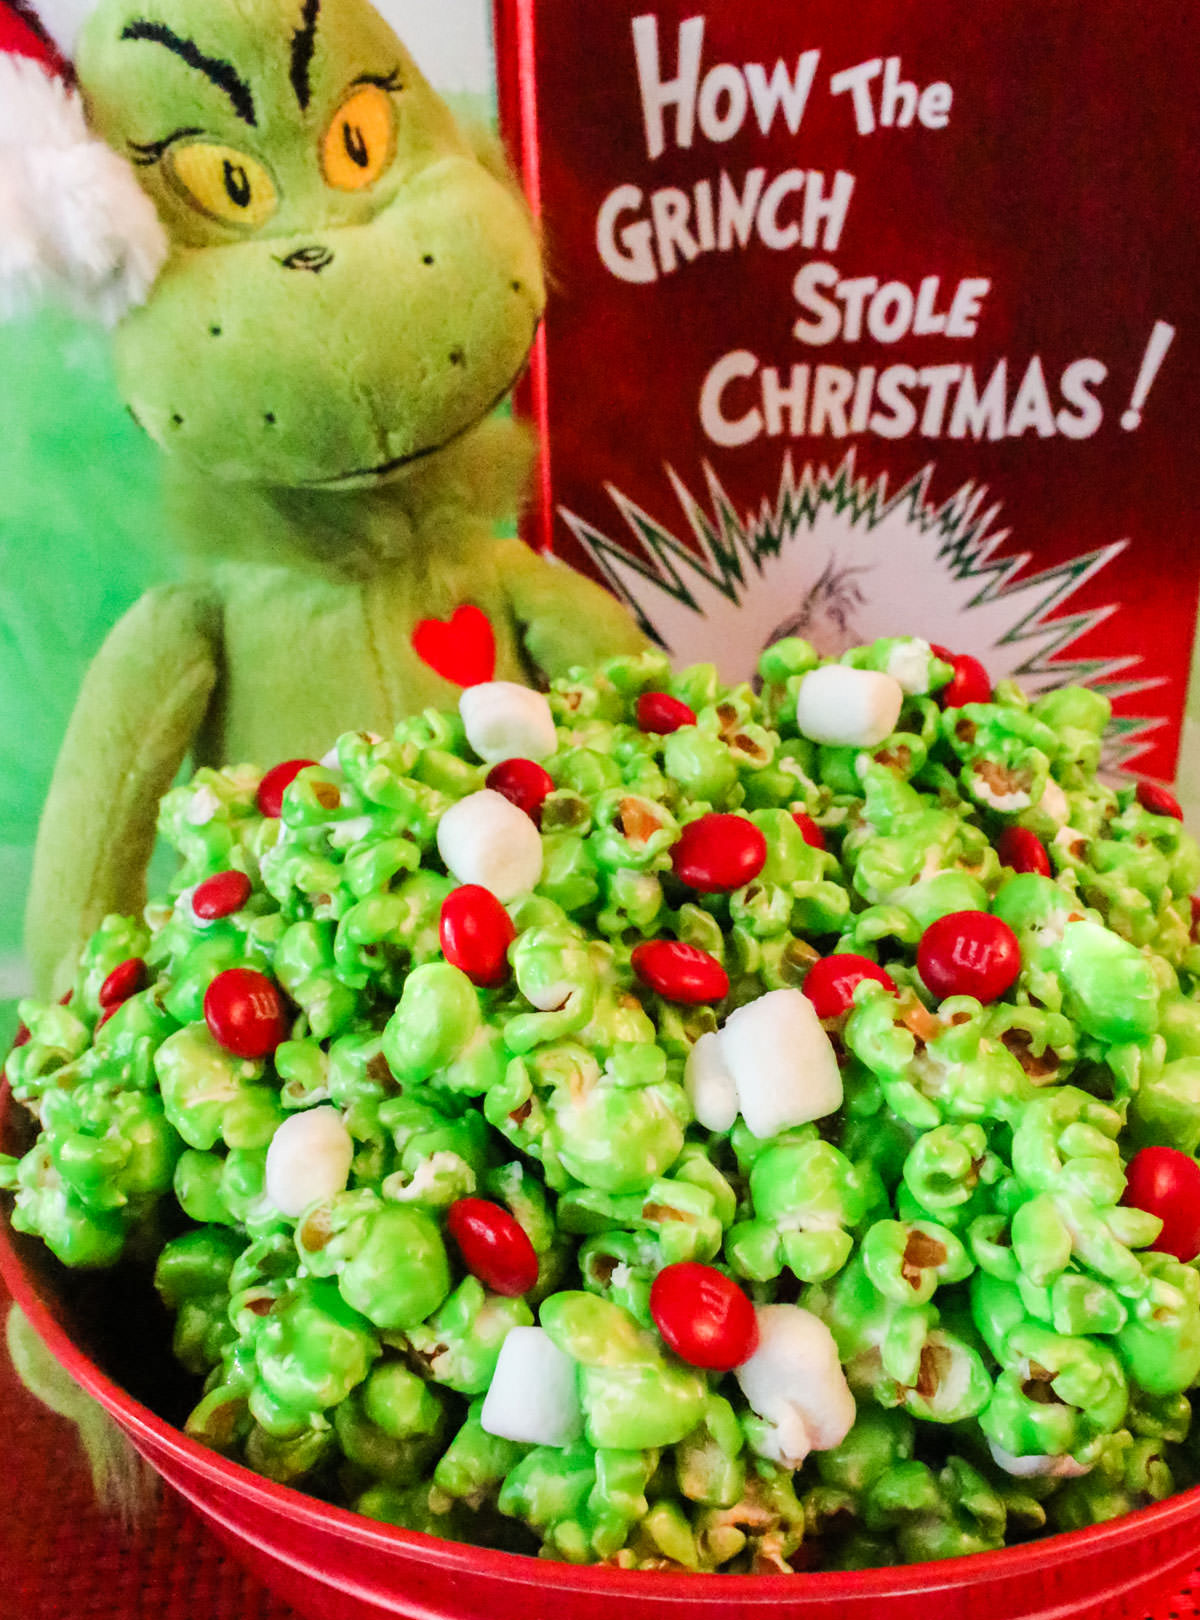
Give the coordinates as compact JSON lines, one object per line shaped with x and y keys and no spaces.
{"x":61,"y":1558}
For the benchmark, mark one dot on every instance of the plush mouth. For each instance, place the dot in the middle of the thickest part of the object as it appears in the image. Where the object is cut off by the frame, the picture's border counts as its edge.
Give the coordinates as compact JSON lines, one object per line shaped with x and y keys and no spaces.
{"x":383,"y":469}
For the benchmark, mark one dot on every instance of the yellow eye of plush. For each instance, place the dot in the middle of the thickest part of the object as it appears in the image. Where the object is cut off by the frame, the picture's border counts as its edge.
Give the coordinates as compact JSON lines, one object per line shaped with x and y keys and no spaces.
{"x":224,"y":183}
{"x":358,"y":143}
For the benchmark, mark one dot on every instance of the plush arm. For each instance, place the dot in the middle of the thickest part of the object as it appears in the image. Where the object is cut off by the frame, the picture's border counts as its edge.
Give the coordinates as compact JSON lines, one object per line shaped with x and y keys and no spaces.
{"x":565,"y":619}
{"x":141,"y":704}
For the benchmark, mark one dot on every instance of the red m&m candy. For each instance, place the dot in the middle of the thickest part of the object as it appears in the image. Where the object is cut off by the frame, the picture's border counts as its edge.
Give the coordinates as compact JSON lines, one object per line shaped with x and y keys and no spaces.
{"x":704,"y":1316}
{"x":680,"y":972}
{"x":716,"y":853}
{"x":832,"y":980}
{"x":475,"y":933}
{"x":494,"y":1246}
{"x":245,"y":1013}
{"x":969,"y":953}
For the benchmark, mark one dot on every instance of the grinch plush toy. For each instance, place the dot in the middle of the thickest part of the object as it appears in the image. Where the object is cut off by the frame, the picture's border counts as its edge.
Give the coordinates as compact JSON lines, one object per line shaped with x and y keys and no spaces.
{"x":333,"y":290}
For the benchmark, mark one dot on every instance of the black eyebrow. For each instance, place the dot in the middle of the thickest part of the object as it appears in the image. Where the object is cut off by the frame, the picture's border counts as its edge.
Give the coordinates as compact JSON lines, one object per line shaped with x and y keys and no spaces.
{"x":222,"y":74}
{"x":386,"y":81}
{"x":304,"y":42}
{"x":146,"y":153}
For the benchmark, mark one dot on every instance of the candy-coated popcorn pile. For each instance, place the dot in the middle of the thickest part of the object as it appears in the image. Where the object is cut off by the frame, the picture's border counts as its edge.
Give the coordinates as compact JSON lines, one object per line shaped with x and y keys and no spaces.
{"x":663,"y":1124}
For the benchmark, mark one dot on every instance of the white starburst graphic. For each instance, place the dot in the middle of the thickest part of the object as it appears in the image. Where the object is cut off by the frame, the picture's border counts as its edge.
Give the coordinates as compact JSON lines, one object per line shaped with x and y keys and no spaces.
{"x":835,"y":558}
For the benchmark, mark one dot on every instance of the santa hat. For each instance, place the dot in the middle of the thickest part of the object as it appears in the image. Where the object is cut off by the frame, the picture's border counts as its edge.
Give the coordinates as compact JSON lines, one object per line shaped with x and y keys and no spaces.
{"x":75,"y":226}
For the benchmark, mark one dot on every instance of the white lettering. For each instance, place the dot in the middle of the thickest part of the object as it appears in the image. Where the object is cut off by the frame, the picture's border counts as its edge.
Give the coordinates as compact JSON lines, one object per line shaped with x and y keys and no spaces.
{"x":729,"y":432}
{"x":627,"y":251}
{"x":679,"y":92}
{"x":790,"y":94}
{"x":856,"y":80}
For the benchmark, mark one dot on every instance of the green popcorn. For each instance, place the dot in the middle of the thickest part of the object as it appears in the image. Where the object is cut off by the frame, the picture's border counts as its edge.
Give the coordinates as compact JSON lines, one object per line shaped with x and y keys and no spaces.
{"x":292,"y":1460}
{"x":702,"y":766}
{"x":359,"y":1080}
{"x":199,"y":965}
{"x":940,"y":895}
{"x":633,"y":1397}
{"x":475,"y":1462}
{"x":192,"y":1278}
{"x":414,"y":1507}
{"x":710,"y":1463}
{"x":210,"y":1095}
{"x":621,"y":1267}
{"x":313,"y":1348}
{"x":805,"y":1195}
{"x":899,"y":1353}
{"x":44,"y":1206}
{"x":1165,"y":1108}
{"x":1066,"y":1142}
{"x":1159,"y":1344}
{"x":437,"y":1017}
{"x":632,"y":831}
{"x":213,"y":823}
{"x":460,"y":1343}
{"x":908,"y":1260}
{"x":580,"y":1501}
{"x":305,"y":967}
{"x":392,"y":1425}
{"x":372,"y":865}
{"x":936,"y":1515}
{"x":1074,"y":706}
{"x":1128,"y":1474}
{"x":389,"y":1260}
{"x":947,"y":1171}
{"x":303,"y":1069}
{"x":1054,"y":1393}
{"x":762,"y":1531}
{"x":57,"y":1038}
{"x":439,"y":1155}
{"x":111,"y":1149}
{"x":1082,"y":1305}
{"x":619,"y":1134}
{"x":878,"y":1441}
{"x":1110,"y":985}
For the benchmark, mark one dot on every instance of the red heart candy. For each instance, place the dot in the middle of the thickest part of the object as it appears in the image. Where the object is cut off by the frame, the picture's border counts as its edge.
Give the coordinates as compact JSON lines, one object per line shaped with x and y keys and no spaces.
{"x":462,"y":650}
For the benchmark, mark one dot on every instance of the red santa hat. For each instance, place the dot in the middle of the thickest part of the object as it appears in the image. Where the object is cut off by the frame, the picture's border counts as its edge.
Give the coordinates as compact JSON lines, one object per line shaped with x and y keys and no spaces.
{"x":75,"y":226}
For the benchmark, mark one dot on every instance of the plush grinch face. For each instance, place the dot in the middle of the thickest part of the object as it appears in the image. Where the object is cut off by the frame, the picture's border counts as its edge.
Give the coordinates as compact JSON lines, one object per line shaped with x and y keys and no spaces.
{"x":349,"y":289}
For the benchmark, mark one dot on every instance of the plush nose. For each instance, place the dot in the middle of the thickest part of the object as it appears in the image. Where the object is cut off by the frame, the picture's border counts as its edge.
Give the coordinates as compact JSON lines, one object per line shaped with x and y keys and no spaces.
{"x":313,"y":258}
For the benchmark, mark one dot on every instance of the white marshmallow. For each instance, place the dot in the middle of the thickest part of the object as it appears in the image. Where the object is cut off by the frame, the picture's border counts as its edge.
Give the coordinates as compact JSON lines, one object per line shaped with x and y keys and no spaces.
{"x":908,"y":663}
{"x":534,"y":1395}
{"x":485,"y":839}
{"x":309,"y":1158}
{"x":507,"y":721}
{"x":1036,"y":1467}
{"x":795,"y":1381}
{"x":782,"y":1062}
{"x":710,"y":1085}
{"x":852,"y":708}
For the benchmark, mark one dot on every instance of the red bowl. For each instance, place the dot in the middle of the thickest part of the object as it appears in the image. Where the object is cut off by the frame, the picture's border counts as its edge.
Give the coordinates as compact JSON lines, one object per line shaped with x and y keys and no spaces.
{"x":333,"y":1565}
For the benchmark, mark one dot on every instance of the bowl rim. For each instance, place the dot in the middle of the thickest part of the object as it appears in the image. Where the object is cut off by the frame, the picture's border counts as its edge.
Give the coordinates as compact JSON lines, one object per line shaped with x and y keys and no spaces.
{"x":455,"y":1557}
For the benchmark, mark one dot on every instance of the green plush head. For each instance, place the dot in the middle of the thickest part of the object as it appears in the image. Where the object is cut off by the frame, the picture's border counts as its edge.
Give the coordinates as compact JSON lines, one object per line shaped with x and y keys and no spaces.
{"x":349,"y":286}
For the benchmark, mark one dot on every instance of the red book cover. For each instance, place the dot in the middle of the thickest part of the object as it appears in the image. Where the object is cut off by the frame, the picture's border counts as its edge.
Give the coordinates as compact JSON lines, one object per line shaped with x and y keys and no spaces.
{"x":871,"y":319}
